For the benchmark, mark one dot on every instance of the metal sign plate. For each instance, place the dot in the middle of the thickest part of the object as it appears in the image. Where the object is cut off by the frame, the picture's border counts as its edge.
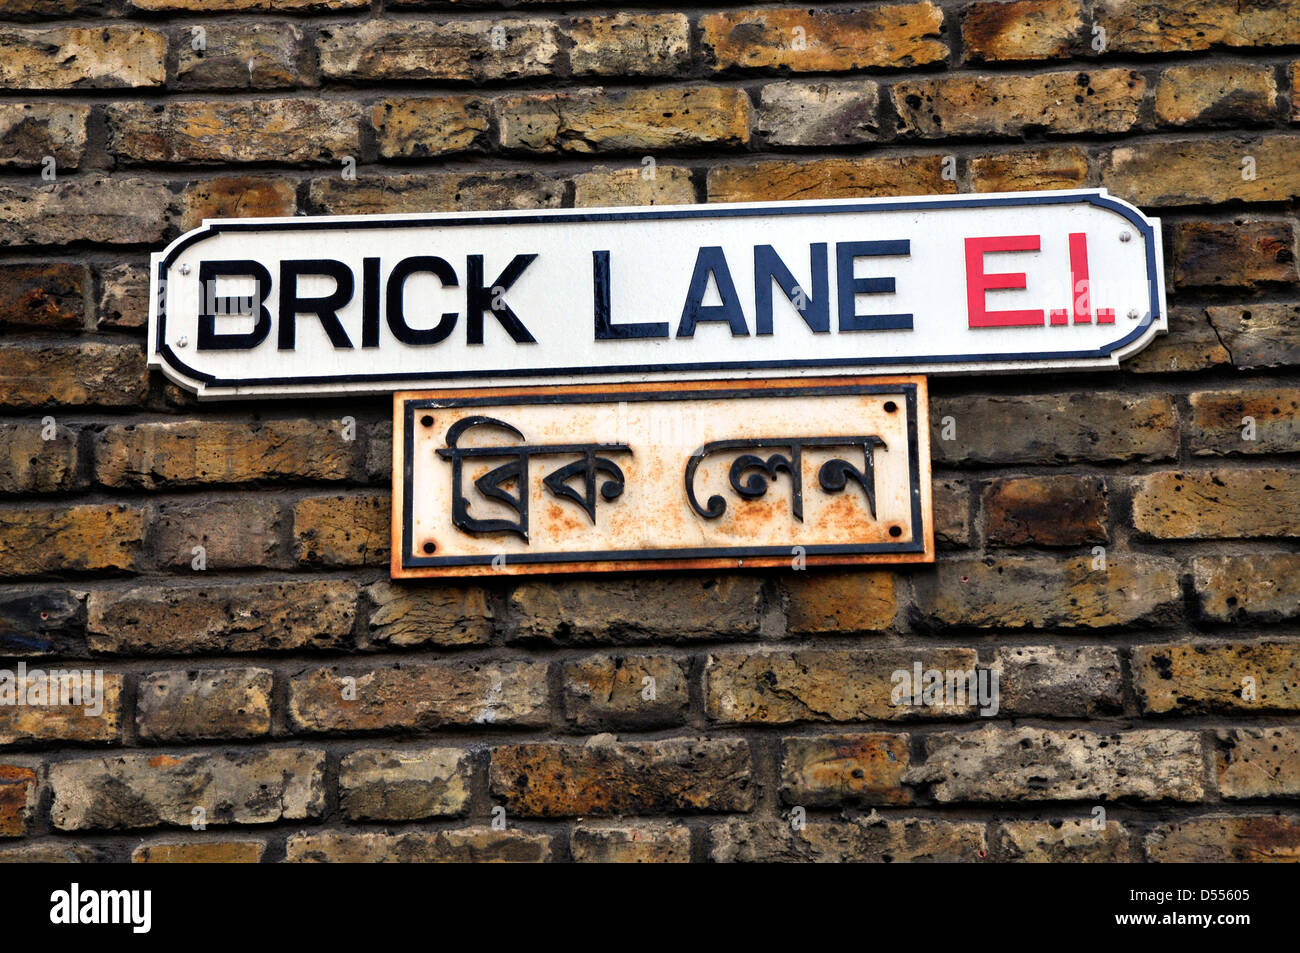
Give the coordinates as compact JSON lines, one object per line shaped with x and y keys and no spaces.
{"x":701,"y":474}
{"x":933,"y":284}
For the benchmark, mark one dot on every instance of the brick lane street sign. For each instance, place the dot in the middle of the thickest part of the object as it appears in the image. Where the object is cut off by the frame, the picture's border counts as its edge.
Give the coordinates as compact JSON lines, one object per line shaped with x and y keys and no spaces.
{"x":710,"y":474}
{"x":937,"y":284}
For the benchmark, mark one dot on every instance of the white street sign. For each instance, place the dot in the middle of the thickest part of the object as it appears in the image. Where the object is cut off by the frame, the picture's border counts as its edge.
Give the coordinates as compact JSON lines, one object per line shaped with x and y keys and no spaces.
{"x":933,"y":284}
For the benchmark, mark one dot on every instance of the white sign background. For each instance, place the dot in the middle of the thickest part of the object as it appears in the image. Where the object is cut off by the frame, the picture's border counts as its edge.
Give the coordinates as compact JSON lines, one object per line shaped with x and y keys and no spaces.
{"x":652,"y":253}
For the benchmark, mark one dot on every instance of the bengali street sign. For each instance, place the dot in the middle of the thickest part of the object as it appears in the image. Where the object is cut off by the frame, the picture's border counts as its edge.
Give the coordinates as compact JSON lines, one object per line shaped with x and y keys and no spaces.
{"x":709,"y":474}
{"x":935,"y":284}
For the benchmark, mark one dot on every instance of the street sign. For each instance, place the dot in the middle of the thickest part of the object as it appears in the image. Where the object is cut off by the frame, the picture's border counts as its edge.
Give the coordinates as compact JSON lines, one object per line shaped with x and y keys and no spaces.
{"x":705,"y":474}
{"x":935,"y":284}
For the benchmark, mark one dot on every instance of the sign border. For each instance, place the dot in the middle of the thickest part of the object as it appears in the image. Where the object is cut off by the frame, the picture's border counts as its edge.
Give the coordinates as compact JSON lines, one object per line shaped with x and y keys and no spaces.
{"x":161,"y":355}
{"x":920,"y":549}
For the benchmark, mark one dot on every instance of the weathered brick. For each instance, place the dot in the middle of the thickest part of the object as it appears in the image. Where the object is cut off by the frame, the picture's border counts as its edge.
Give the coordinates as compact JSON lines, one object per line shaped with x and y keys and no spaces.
{"x":430,"y":126}
{"x":57,"y":852}
{"x":463,"y":50}
{"x":467,"y":845}
{"x":1046,"y":511}
{"x":437,"y":192}
{"x":343,"y":530}
{"x":823,"y":685}
{"x":97,"y":208}
{"x":196,"y":704}
{"x":1245,"y":421}
{"x":1214,"y":94}
{"x":47,"y":621}
{"x":243,"y":56}
{"x":30,"y":708}
{"x":102,"y":57}
{"x":1243,"y":254}
{"x":1295,"y":91}
{"x":804,"y":40}
{"x":1204,"y":171}
{"x":1021,"y":30}
{"x":1059,"y":681}
{"x":414,"y":696}
{"x":632,"y":844}
{"x":1191,"y":345}
{"x":1031,"y":764}
{"x":210,"y":451}
{"x":48,"y":296}
{"x":123,"y":297}
{"x":840,"y":602}
{"x":405,"y":616}
{"x":31,"y":464}
{"x":836,"y":178}
{"x":236,"y":196}
{"x":837,"y":770}
{"x":17,"y":799}
{"x":814,"y":113}
{"x":1067,"y":103}
{"x":379,"y":455}
{"x":1068,"y":840}
{"x":404,"y":784}
{"x":31,"y":132}
{"x":611,"y":691}
{"x":1013,"y":592}
{"x":646,"y":184}
{"x":141,"y":790}
{"x":1261,"y":335}
{"x":630,"y":44}
{"x":864,"y":840}
{"x":599,"y":120}
{"x":1052,"y":167}
{"x":85,"y":374}
{"x":1217,"y":504}
{"x":636,"y":609}
{"x":233,"y":534}
{"x":607,"y":777}
{"x":1261,"y":588}
{"x":279,"y":6}
{"x":951,"y":505}
{"x":1218,"y":839}
{"x":1057,"y":428}
{"x":1168,"y":26}
{"x":223,"y":618}
{"x":206,"y":851}
{"x":29,"y":9}
{"x":260,"y":130}
{"x":79,"y":538}
{"x":1192,"y":678}
{"x":1258,"y":762}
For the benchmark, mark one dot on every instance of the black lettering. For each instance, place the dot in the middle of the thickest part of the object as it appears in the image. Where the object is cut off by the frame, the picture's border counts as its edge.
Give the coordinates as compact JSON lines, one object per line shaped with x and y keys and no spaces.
{"x":848,"y":285}
{"x":325,"y":307}
{"x":606,"y":330}
{"x":210,"y":306}
{"x":396,"y":312}
{"x":480,"y":298}
{"x":814,"y":306}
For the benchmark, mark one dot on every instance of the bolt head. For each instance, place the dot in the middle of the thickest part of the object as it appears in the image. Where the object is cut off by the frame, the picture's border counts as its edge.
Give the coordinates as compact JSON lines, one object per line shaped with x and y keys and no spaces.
{"x":1125,"y":236}
{"x":185,"y":269}
{"x":182,"y":341}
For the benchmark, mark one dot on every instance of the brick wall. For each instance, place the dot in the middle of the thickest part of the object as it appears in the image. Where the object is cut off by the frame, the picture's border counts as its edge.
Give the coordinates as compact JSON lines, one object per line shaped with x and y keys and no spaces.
{"x":278,"y":692}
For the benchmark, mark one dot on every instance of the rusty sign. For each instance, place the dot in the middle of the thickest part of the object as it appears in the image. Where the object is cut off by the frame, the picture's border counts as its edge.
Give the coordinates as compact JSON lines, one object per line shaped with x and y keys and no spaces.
{"x":705,"y":474}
